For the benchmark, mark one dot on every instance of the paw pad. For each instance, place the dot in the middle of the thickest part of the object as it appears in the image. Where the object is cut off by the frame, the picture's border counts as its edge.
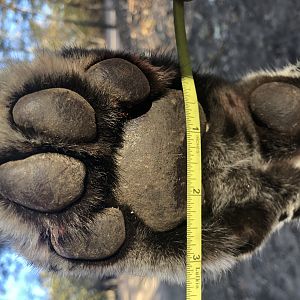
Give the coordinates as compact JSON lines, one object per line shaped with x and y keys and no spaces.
{"x":57,"y":113}
{"x":277,"y":105}
{"x":121,"y":79}
{"x":93,"y":147}
{"x":43,"y":182}
{"x":95,"y":240}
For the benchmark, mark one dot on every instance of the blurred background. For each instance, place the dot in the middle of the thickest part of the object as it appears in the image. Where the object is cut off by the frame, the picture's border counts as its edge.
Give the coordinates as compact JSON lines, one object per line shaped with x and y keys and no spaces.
{"x":228,"y":37}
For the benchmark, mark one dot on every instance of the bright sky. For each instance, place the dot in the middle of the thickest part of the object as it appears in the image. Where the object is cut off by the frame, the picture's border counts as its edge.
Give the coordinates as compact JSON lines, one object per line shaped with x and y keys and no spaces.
{"x":15,"y":28}
{"x":18,"y":281}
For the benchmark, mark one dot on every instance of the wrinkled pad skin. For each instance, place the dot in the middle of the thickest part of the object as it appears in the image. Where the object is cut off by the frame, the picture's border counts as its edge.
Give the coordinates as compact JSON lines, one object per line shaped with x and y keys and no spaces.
{"x":277,"y":105}
{"x":134,"y":179}
{"x":98,"y":239}
{"x":57,"y":113}
{"x":153,"y":168}
{"x":79,"y":148}
{"x":122,"y":80}
{"x":44,"y":182}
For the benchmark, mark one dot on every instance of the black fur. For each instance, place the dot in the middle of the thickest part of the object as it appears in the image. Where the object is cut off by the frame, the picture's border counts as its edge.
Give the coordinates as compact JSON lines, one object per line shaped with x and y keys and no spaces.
{"x":251,"y":177}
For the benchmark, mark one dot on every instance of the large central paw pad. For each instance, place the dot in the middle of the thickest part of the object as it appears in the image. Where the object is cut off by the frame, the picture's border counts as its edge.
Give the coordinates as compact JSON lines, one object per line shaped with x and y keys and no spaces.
{"x":72,"y":168}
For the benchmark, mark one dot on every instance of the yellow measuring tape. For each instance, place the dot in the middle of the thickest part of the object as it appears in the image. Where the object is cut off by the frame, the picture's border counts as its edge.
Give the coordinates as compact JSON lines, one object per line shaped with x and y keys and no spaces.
{"x":194,"y":176}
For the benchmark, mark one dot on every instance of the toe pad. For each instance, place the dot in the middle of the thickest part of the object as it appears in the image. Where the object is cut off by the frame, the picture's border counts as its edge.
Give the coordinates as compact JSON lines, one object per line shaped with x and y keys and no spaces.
{"x":96,"y":240}
{"x":43,"y":182}
{"x":277,"y":105}
{"x":58,"y":113}
{"x":124,"y":81}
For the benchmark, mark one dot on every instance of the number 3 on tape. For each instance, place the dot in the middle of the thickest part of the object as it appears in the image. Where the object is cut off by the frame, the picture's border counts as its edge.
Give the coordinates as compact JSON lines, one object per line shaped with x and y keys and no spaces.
{"x":194,"y":175}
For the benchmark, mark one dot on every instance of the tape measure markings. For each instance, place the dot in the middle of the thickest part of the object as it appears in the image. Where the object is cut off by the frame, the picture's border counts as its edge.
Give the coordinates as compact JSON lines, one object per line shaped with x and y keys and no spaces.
{"x":194,"y":175}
